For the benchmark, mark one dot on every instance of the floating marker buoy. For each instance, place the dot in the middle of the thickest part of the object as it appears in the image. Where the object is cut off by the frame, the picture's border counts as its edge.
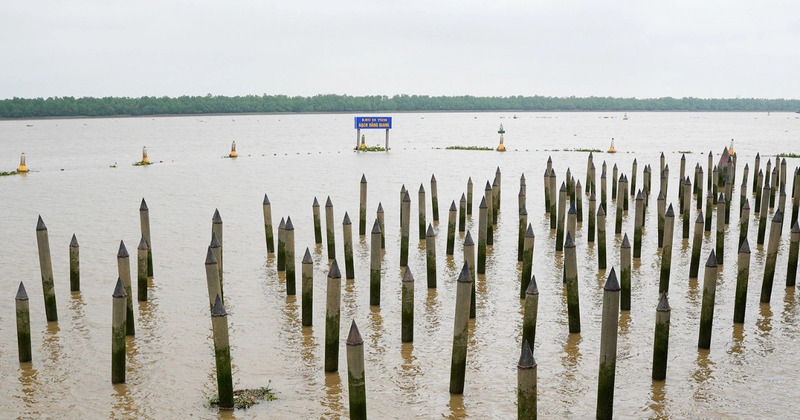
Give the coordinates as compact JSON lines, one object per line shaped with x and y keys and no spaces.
{"x":145,"y":159}
{"x":23,"y":167}
{"x":612,"y":149}
{"x":233,"y":153}
{"x":501,"y":147}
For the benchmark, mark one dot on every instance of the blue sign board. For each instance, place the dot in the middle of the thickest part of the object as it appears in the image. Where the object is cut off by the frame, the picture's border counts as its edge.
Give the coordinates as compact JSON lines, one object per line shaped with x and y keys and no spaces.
{"x":373,"y":122}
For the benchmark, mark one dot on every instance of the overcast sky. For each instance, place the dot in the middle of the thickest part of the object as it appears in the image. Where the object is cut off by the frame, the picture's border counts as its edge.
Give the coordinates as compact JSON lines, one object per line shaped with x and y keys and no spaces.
{"x":431,"y":47}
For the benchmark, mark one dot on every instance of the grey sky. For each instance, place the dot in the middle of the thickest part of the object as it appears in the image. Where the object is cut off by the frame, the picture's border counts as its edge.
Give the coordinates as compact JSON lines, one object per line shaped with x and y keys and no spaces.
{"x":463,"y":47}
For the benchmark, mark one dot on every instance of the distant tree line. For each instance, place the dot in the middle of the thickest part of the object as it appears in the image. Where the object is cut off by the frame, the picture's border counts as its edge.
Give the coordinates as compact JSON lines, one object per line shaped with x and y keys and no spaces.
{"x":149,"y":105}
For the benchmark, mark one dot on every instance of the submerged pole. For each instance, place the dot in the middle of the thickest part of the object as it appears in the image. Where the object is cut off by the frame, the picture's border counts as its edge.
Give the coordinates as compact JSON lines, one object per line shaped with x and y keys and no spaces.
{"x":404,"y":229}
{"x":451,"y":229}
{"x":742,"y":279}
{"x":434,"y":199}
{"x":772,"y":256}
{"x":666,"y":251}
{"x":22,"y":308}
{"x":216,"y":229}
{"x":527,"y":261}
{"x":697,"y":243}
{"x":332,"y":313}
{"x":601,"y":238}
{"x":356,"y":383}
{"x":268,"y":234}
{"x":661,"y":339}
{"x":347,"y":234}
{"x":707,"y":309}
{"x":375,"y":266}
{"x":430,"y":254}
{"x":458,"y":363}
{"x":791,"y":269}
{"x":141,"y":270}
{"x":526,"y":384}
{"x":625,"y":274}
{"x":222,"y":354}
{"x":407,"y":307}
{"x":483,"y":222}
{"x":571,"y":280}
{"x":46,"y":268}
{"x":421,"y":205}
{"x":124,"y":270}
{"x":531,"y":311}
{"x":212,"y":278}
{"x":144,"y":221}
{"x":74,"y":265}
{"x":608,"y":348}
{"x":118,"y":313}
{"x":317,"y":222}
{"x":362,"y":207}
{"x":291,"y":276}
{"x":331,"y":238}
{"x":307,"y":289}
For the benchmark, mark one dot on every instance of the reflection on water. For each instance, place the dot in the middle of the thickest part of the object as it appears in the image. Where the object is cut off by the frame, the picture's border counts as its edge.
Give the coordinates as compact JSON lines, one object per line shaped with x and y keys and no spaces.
{"x":737,"y":345}
{"x":333,"y":401}
{"x":28,"y":379}
{"x":456,"y":405}
{"x":703,"y":375}
{"x":123,"y":406}
{"x":658,"y":400}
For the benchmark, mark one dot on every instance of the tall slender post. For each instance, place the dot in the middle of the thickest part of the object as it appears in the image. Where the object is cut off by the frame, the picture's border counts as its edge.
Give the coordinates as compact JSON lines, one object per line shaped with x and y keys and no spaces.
{"x":22,"y":308}
{"x":608,"y":348}
{"x":523,"y":222}
{"x":144,"y":221}
{"x":495,"y":207}
{"x":421,"y":205}
{"x":380,"y":216}
{"x":526,"y":384}
{"x":699,"y":185}
{"x":404,"y":229}
{"x":791,"y":269}
{"x":687,"y":214}
{"x":317,"y":222}
{"x":407,"y":307}
{"x":216,"y":250}
{"x":634,"y":168}
{"x":601,"y":238}
{"x":661,"y":339}
{"x":774,"y":183}
{"x":589,"y":180}
{"x":553,"y":200}
{"x":795,"y":196}
{"x":451,"y":229}
{"x":212,"y":278}
{"x":216,"y":228}
{"x":375,"y":266}
{"x":527,"y":261}
{"x":531,"y":311}
{"x":756,"y":169}
{"x":46,"y":268}
{"x":615,"y":179}
{"x":603,"y":188}
{"x":402,"y":197}
{"x":661,"y":202}
{"x":571,"y":279}
{"x":75,"y":265}
{"x":742,"y":280}
{"x":572,"y":220}
{"x":291,"y":276}
{"x":430,"y":254}
{"x":579,"y":202}
{"x":624,"y":188}
{"x":462,"y":214}
{"x":281,"y":263}
{"x":720,"y":228}
{"x":521,"y":197}
{"x":498,"y":178}
{"x":329,"y":235}
{"x":547,"y":203}
{"x":356,"y":383}
{"x":744,"y":222}
{"x":759,"y":192}
{"x":307,"y":289}
{"x":332,"y":307}
{"x":118,"y":313}
{"x":222,"y":354}
{"x":347,"y":234}
{"x":625,"y":274}
{"x":268,"y":234}
{"x":469,"y":259}
{"x":483,"y":221}
{"x":141,"y":270}
{"x":469,"y":196}
{"x":772,"y":256}
{"x":458,"y":362}
{"x":562,"y":204}
{"x":362,"y":207}
{"x":592,"y":215}
{"x":434,"y":199}
{"x":638,"y":225}
{"x":742,"y":195}
{"x":697,"y":243}
{"x":666,"y":251}
{"x":618,"y":214}
{"x":489,"y":210}
{"x":707,"y":308}
{"x":124,"y":270}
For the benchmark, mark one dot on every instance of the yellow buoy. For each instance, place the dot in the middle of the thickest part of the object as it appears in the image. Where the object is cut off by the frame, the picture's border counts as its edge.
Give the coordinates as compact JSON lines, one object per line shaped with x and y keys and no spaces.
{"x":501,"y":147}
{"x":612,"y":149}
{"x":233,"y":150}
{"x":145,"y":159}
{"x":22,"y":166}
{"x":363,"y":143}
{"x":730,"y":149}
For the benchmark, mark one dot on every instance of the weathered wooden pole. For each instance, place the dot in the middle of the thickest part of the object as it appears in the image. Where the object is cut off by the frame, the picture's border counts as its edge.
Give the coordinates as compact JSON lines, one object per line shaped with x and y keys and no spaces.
{"x":46,"y":268}
{"x":579,"y":202}
{"x":666,"y":251}
{"x":434,"y":199}
{"x":661,"y":339}
{"x":782,"y":205}
{"x":307,"y":290}
{"x":380,"y":216}
{"x":407,"y":307}
{"x":22,"y":307}
{"x":728,"y":201}
{"x":462,"y":214}
{"x":421,"y":206}
{"x":405,"y":224}
{"x":216,"y":228}
{"x":715,"y":184}
{"x":124,"y":271}
{"x":523,"y":188}
{"x":144,"y":222}
{"x":526,"y":384}
{"x":710,"y":181}
{"x":795,"y":195}
{"x":592,"y":215}
{"x":661,"y":203}
{"x":527,"y":261}
{"x":608,"y":348}
{"x":347,"y":234}
{"x":707,"y":308}
{"x":329,"y":235}
{"x":572,"y":220}
{"x":744,"y":222}
{"x":222,"y":354}
{"x":291,"y":276}
{"x":458,"y":363}
{"x":625,"y":274}
{"x":547,"y":203}
{"x":618,"y":213}
{"x":624,"y":187}
{"x":489,"y":196}
{"x":697,"y":244}
{"x":742,"y":195}
{"x":615,"y":180}
{"x":531,"y":311}
{"x":638,"y":225}
{"x":74,"y":265}
{"x":759,"y":192}
{"x":118,"y":313}
{"x":430,"y":254}
{"x":589,"y":179}
{"x":498,"y":179}
{"x":523,"y":222}
{"x":682,"y":176}
{"x":592,"y":179}
{"x":553,"y":200}
{"x":756,"y":170}
{"x":356,"y":382}
{"x":469,"y":196}
{"x":141,"y":270}
{"x":483,"y":221}
{"x":281,"y":263}
{"x":772,"y":256}
{"x":469,"y":259}
{"x":742,"y":280}
{"x":687,"y":198}
{"x":699,"y":185}
{"x":451,"y":229}
{"x":601,"y":238}
{"x":634,"y":168}
{"x":317,"y":222}
{"x":402,"y":197}
{"x":774,"y":182}
{"x":720,"y":228}
{"x":212,"y":278}
{"x":571,"y":279}
{"x":268,"y":234}
{"x":783,"y":175}
{"x":375,"y":266}
{"x":762,"y":220}
{"x":562,"y":210}
{"x":332,"y":307}
{"x":362,"y":207}
{"x":791,"y":270}
{"x":603,"y":182}
{"x":570,"y":180}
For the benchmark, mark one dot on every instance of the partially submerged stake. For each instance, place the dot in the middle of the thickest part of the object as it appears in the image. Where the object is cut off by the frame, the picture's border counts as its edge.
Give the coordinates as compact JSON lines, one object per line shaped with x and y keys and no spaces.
{"x":707,"y":309}
{"x":571,"y":280}
{"x":742,"y":279}
{"x":216,"y":229}
{"x":421,"y":206}
{"x":744,"y":222}
{"x":772,"y":256}
{"x":469,"y":259}
{"x":407,"y":307}
{"x":462,"y":216}
{"x":317,"y":222}
{"x":592,"y":212}
{"x":469,"y":196}
{"x":483,"y":222}
{"x":141,"y":270}
{"x":362,"y":207}
{"x":791,"y":270}
{"x":531,"y":311}
{"x":118,"y":334}
{"x":451,"y":229}
{"x":489,"y":210}
{"x":720,"y":228}
{"x":144,"y":221}
{"x":75,"y":265}
{"x":697,"y":243}
{"x":333,"y":302}
{"x":625,"y":274}
{"x":212,"y":278}
{"x":347,"y":234}
{"x":527,"y":261}
{"x":458,"y":361}
{"x":404,"y":229}
{"x":430,"y":251}
{"x":124,"y":270}
{"x":222,"y":354}
{"x":523,"y":222}
{"x":291,"y":277}
{"x":601,"y":238}
{"x":46,"y":267}
{"x":380,"y":216}
{"x":331,"y":239}
{"x":268,"y":234}
{"x":526,"y":384}
{"x":666,"y":251}
{"x":434,"y":199}
{"x":608,"y":348}
{"x":638,"y":226}
{"x":762,"y":220}
{"x":661,"y":339}
{"x":375,"y":266}
{"x":307,"y":289}
{"x":24,"y":325}
{"x":281,"y":263}
{"x":562,"y":210}
{"x":356,"y":383}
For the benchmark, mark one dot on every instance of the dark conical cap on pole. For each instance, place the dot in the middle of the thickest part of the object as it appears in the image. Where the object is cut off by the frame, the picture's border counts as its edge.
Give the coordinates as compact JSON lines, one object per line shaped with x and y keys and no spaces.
{"x":334,"y":272}
{"x":778,"y":217}
{"x":433,"y":178}
{"x":549,"y":159}
{"x":663,"y":304}
{"x":600,"y":211}
{"x":683,"y":156}
{"x":712,"y":259}
{"x":119,"y":290}
{"x":464,"y":277}
{"x":746,"y":167}
{"x":307,"y":257}
{"x":661,"y":196}
{"x":495,"y":184}
{"x":142,"y":244}
{"x":21,"y":293}
{"x":523,"y":211}
{"x":670,"y":212}
{"x":639,"y":195}
{"x":40,"y":224}
{"x":143,"y":206}
{"x":468,"y":240}
{"x":407,"y":276}
{"x":711,"y":154}
{"x":469,"y":180}
{"x":572,"y":209}
{"x":453,"y":206}
{"x":563,"y":187}
{"x":376,"y":227}
{"x":483,"y":203}
{"x":282,"y":224}
{"x":699,"y":218}
{"x":210,"y":258}
{"x":266,"y":200}
{"x":429,"y":232}
{"x":74,"y":242}
{"x":578,"y":184}
{"x":407,"y":197}
{"x":721,"y":198}
{"x":592,"y":197}
{"x":615,"y":165}
{"x":354,"y":337}
{"x":760,"y":172}
{"x":745,"y":248}
{"x":380,"y":207}
{"x":328,"y":202}
{"x":569,"y":243}
{"x":346,"y":220}
{"x":775,"y":169}
{"x":421,"y":188}
{"x":746,"y":205}
{"x":463,"y":197}
{"x":552,"y":173}
{"x":533,"y":288}
{"x":625,"y":242}
{"x":526,"y":360}
{"x":529,"y":232}
{"x":363,"y":179}
{"x":219,"y":308}
{"x":289,"y":225}
{"x":687,"y":181}
{"x":315,"y":204}
{"x":123,"y":252}
{"x":795,"y":227}
{"x":216,"y":218}
{"x":214,"y":240}
{"x":488,"y":186}
{"x":612,"y":284}
{"x":521,"y":178}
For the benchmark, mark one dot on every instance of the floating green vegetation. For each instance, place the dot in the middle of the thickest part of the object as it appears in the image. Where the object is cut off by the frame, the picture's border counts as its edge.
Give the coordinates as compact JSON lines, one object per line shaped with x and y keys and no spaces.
{"x":246,"y":398}
{"x":9,"y":173}
{"x":371,"y":149}
{"x":468,"y":148}
{"x":575,"y":150}
{"x":687,"y":152}
{"x":142,"y":163}
{"x":789,"y":155}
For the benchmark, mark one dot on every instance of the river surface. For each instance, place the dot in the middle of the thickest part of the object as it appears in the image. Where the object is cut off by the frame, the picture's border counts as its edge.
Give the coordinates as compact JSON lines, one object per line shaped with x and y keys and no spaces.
{"x":747,"y":373}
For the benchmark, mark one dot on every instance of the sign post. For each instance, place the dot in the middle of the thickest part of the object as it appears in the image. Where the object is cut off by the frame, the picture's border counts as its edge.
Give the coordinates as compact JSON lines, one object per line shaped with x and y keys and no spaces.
{"x":372,"y":123}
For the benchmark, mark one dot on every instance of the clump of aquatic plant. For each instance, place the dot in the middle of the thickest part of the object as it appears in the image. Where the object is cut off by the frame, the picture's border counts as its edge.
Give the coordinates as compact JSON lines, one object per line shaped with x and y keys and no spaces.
{"x":371,"y":149}
{"x":789,"y":155}
{"x":142,"y":163}
{"x":9,"y":173}
{"x":246,"y":398}
{"x":468,"y":148}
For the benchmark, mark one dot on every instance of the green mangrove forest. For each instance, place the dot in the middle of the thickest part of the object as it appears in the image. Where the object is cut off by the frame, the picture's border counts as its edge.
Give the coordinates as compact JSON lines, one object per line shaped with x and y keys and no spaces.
{"x":68,"y":106}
